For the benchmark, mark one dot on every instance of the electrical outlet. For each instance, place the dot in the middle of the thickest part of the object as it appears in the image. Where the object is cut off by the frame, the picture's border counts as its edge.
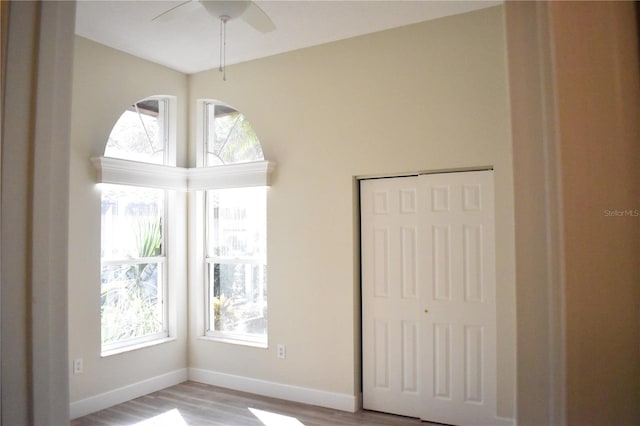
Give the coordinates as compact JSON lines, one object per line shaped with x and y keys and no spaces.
{"x":78,"y":366}
{"x":282,"y":351}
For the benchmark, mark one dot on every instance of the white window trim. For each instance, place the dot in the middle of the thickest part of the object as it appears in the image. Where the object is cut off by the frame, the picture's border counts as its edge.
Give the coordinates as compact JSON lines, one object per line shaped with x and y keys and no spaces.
{"x":225,"y":336}
{"x":204,"y":178}
{"x":168,"y":330}
{"x":169,"y":177}
{"x":136,"y":261}
{"x":240,"y":175}
{"x":132,"y":345}
{"x":179,"y":179}
{"x":168,"y":109}
{"x":134,"y":173}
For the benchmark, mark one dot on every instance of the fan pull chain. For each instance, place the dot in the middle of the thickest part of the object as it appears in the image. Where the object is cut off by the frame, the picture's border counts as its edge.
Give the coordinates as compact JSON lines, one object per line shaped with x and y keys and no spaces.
{"x":223,"y":46}
{"x":221,"y":24}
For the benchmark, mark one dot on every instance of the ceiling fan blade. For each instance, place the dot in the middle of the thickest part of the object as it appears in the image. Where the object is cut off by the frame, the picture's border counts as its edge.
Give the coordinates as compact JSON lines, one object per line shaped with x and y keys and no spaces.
{"x":256,"y":17}
{"x":177,"y":11}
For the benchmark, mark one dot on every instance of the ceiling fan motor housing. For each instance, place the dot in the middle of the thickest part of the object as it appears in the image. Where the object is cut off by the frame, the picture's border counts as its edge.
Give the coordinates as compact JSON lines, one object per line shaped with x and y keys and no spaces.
{"x":230,"y":8}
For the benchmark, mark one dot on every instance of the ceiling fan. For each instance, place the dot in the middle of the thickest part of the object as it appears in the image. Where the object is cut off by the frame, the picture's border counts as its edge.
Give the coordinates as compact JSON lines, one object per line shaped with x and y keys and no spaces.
{"x":223,"y":10}
{"x":248,"y":10}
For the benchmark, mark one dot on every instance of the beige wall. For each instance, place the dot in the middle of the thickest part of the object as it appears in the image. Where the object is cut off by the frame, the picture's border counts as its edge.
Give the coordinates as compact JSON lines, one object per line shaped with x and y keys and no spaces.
{"x":424,"y":97}
{"x":600,"y":172}
{"x":105,"y":83}
{"x":598,"y":95}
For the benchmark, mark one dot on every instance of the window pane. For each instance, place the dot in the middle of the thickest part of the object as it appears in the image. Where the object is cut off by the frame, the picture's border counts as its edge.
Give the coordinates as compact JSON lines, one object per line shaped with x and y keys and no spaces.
{"x":132,"y":220}
{"x":138,"y":134}
{"x":132,"y":285}
{"x":238,"y":295}
{"x":131,"y":301}
{"x":236,"y":221}
{"x":230,"y":137}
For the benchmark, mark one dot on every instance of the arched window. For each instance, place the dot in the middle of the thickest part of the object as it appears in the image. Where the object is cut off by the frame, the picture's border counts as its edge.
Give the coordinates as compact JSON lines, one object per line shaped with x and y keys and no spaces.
{"x":235,"y":224}
{"x":227,"y":248}
{"x":134,"y":215}
{"x":229,"y":137}
{"x":141,"y":133}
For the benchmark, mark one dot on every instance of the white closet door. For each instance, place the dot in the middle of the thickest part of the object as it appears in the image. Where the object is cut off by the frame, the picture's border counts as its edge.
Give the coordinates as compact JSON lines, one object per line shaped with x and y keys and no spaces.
{"x":428,"y":292}
{"x":391,"y":308}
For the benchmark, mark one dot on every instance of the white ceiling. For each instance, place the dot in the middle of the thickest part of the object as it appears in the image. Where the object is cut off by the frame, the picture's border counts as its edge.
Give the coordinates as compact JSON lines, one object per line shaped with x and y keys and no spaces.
{"x":190,"y":43}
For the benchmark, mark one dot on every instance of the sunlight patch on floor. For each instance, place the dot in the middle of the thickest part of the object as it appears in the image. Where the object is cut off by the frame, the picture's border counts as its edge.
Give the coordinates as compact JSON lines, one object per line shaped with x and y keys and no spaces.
{"x":272,"y":419}
{"x":169,"y":418}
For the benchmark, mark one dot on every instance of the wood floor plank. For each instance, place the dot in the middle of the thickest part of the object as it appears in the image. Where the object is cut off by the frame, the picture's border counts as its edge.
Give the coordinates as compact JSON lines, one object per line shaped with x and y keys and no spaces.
{"x":199,"y":404}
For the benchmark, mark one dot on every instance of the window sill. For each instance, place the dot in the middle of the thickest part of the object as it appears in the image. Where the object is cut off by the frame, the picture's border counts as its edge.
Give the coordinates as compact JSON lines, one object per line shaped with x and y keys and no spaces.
{"x":136,"y":346}
{"x":260,"y":345}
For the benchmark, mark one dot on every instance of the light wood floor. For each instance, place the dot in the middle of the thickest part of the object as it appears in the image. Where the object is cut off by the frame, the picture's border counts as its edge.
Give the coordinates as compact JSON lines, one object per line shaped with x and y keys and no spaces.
{"x":195,"y":404}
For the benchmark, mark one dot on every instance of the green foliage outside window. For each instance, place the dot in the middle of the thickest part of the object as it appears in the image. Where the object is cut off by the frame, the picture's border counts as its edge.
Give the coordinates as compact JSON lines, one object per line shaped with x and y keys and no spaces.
{"x":130,"y":303}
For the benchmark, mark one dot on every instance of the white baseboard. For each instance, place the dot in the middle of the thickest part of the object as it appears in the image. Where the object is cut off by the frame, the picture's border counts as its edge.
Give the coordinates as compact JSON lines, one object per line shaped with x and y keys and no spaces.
{"x":105,"y":400}
{"x":338,"y":401}
{"x":320,"y":398}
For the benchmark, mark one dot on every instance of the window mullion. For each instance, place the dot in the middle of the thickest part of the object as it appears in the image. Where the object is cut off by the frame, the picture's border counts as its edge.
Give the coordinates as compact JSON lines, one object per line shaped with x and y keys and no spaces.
{"x":236,"y":260}
{"x":134,"y":261}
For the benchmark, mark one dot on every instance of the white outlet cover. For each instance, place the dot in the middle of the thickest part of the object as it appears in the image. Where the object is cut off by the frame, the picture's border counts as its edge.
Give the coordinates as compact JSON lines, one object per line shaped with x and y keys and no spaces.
{"x":77,"y":366}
